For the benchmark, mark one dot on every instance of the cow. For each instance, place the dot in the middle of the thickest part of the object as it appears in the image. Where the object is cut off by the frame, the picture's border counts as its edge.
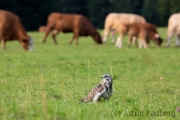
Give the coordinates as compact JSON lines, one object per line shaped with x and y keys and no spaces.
{"x":114,"y":20}
{"x":78,"y":24}
{"x":42,"y":29}
{"x":144,"y":31}
{"x":173,"y":28}
{"x":12,"y":29}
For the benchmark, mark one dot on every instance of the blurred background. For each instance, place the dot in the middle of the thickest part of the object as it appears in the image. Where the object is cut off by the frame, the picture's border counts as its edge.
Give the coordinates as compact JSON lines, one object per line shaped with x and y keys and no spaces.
{"x":34,"y":13}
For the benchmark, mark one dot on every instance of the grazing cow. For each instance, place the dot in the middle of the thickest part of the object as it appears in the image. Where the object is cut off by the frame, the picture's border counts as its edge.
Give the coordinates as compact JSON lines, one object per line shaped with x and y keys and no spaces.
{"x":12,"y":29}
{"x":173,"y":28}
{"x":42,"y":29}
{"x":144,"y":31}
{"x":78,"y":24}
{"x":115,"y":20}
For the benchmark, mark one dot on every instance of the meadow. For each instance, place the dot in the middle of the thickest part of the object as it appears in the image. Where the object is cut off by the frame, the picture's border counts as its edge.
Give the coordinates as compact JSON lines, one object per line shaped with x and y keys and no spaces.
{"x":49,"y":82}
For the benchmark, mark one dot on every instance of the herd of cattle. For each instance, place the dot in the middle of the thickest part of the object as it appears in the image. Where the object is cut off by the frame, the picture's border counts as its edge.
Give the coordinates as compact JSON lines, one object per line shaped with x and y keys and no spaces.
{"x":135,"y":26}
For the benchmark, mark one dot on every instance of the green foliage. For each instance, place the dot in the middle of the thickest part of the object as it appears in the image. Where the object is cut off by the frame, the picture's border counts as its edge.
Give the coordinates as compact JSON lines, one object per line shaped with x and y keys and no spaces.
{"x":98,"y":11}
{"x":128,"y":6}
{"x":150,"y":11}
{"x":174,"y":6}
{"x":49,"y":82}
{"x":34,"y":13}
{"x":164,"y":12}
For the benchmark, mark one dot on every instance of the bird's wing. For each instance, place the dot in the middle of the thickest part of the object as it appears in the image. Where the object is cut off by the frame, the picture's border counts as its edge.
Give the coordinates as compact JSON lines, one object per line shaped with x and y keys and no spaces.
{"x":97,"y":89}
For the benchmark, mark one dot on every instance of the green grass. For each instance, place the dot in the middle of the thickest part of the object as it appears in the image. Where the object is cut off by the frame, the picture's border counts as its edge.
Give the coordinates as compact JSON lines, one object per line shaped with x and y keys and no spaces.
{"x":49,"y":82}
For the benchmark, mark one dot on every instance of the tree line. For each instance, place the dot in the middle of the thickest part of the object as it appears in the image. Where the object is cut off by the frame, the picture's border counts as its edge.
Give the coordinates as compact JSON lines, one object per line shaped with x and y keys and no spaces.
{"x":34,"y":13}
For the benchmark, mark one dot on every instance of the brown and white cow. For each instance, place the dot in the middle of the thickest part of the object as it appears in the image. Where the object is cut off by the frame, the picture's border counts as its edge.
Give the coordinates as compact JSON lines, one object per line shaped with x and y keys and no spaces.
{"x":114,"y":20}
{"x":173,"y":28}
{"x":144,"y":31}
{"x":78,"y":24}
{"x":12,"y":29}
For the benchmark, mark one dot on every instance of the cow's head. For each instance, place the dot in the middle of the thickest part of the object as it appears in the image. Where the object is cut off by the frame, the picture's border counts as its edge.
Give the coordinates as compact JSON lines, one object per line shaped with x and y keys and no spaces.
{"x":27,"y":43}
{"x":157,"y":39}
{"x":97,"y":38}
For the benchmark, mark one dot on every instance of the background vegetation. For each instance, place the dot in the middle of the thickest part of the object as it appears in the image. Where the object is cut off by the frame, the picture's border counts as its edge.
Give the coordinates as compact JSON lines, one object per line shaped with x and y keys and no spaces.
{"x":33,"y":13}
{"x":49,"y":82}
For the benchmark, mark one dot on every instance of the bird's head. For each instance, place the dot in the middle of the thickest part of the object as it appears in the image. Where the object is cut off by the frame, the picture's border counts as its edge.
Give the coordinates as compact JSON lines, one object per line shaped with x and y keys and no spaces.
{"x":107,"y":77}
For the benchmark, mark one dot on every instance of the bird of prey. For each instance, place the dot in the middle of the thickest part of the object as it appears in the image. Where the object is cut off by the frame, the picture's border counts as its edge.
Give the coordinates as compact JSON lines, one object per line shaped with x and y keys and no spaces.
{"x":104,"y":90}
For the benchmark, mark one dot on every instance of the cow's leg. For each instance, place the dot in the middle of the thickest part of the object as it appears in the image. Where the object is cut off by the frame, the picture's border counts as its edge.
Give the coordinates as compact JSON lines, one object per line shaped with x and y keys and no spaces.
{"x":54,"y":33}
{"x":76,"y":38}
{"x":143,"y":42}
{"x":113,"y":36}
{"x":3,"y":44}
{"x":45,"y":36}
{"x":105,"y":34}
{"x":169,"y":36}
{"x":72,"y":39}
{"x":177,"y":40}
{"x":76,"y":35}
{"x":140,"y":44}
{"x":129,"y":41}
{"x":134,"y":41}
{"x":119,"y":42}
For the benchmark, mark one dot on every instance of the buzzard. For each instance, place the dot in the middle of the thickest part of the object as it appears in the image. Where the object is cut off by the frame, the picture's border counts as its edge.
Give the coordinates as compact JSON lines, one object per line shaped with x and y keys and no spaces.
{"x":104,"y":89}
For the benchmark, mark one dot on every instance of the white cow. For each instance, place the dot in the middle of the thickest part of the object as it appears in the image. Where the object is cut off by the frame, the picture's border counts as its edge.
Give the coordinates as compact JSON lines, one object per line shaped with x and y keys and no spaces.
{"x":173,"y":28}
{"x":114,"y":21}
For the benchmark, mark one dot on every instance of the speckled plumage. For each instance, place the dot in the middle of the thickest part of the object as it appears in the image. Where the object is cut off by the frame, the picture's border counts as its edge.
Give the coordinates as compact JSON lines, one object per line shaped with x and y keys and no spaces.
{"x":104,"y":90}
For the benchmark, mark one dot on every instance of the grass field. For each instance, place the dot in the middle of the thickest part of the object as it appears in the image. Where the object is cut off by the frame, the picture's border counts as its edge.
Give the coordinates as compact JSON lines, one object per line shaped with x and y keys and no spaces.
{"x":49,"y":82}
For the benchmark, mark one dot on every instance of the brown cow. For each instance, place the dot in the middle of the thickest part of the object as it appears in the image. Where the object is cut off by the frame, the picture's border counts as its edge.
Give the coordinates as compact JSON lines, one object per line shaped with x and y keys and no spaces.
{"x":78,"y":24}
{"x":144,"y":31}
{"x":12,"y":29}
{"x":42,"y":29}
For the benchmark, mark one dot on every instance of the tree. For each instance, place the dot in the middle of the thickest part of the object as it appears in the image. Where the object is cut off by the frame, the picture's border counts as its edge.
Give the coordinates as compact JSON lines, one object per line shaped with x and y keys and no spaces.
{"x":164,"y":12}
{"x":98,"y":10}
{"x":150,"y":12}
{"x":34,"y":13}
{"x":128,"y":6}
